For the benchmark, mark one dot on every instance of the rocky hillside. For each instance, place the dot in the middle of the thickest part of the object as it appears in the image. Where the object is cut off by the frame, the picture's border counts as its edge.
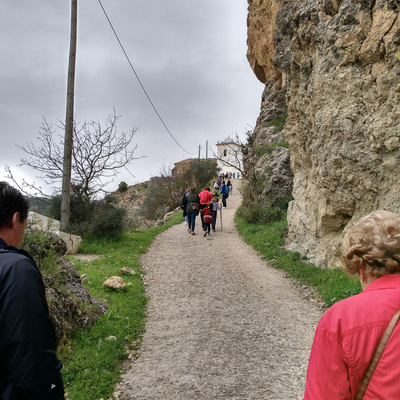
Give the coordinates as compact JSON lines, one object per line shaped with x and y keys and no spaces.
{"x":336,"y":64}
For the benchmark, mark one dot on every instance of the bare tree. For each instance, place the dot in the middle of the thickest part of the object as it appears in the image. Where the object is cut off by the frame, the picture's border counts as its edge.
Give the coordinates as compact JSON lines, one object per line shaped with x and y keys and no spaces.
{"x":98,"y":154}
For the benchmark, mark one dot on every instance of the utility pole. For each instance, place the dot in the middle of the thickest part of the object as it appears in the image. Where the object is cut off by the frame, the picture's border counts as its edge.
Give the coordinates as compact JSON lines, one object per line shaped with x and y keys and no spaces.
{"x":206,"y":149}
{"x":69,"y":121}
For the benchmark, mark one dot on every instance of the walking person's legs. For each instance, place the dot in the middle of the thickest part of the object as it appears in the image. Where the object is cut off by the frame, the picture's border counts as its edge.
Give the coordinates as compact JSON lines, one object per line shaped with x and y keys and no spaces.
{"x":206,"y":228}
{"x":189,"y":219}
{"x":193,"y":221}
{"x":214,"y":221}
{"x":201,"y":216}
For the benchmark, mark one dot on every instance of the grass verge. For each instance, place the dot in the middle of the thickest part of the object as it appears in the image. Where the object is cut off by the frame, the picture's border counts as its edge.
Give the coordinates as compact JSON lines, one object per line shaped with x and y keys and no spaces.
{"x":94,"y":358}
{"x":331,"y":284}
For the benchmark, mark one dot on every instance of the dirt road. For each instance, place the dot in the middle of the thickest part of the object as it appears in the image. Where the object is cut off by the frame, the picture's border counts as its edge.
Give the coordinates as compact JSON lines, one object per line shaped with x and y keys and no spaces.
{"x":221,"y":324}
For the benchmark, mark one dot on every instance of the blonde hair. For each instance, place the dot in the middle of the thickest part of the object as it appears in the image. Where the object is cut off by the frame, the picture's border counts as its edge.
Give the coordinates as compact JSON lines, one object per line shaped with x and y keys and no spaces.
{"x":374,"y":243}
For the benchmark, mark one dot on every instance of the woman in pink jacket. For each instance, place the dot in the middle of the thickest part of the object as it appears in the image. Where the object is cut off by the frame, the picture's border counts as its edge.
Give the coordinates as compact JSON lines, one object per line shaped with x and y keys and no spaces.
{"x":349,"y":332}
{"x":205,"y":198}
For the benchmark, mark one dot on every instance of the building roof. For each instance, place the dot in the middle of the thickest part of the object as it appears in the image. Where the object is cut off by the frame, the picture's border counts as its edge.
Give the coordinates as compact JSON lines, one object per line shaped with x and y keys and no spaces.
{"x":228,"y":140}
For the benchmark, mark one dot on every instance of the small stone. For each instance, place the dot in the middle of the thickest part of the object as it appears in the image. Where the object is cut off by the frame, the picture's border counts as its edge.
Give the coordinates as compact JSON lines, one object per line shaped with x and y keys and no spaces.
{"x":115,"y":282}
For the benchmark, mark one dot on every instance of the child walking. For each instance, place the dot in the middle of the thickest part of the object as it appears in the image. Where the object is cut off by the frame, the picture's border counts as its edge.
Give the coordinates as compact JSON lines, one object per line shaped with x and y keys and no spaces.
{"x":208,"y":216}
{"x":215,"y":207}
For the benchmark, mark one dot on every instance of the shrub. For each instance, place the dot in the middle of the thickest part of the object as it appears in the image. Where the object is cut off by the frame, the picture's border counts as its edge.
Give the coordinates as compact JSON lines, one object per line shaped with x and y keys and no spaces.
{"x":123,"y":187}
{"x":108,"y":222}
{"x":279,"y":122}
{"x":45,"y":248}
{"x":265,"y":211}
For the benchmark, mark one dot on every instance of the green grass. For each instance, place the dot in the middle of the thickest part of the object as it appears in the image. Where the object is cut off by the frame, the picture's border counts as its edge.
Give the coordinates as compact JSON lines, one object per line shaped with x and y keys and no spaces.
{"x":92,"y":363}
{"x":331,"y":284}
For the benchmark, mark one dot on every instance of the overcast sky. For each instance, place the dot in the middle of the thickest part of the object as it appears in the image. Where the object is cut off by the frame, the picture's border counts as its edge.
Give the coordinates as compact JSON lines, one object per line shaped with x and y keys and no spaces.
{"x":189,"y":55}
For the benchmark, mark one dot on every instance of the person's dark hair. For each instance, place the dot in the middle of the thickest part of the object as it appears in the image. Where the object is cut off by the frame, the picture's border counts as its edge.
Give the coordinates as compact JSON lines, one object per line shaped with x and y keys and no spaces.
{"x":12,"y":201}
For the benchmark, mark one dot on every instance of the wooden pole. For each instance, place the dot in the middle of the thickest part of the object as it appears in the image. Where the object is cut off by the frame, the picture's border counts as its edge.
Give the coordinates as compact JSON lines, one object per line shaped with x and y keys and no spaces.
{"x":69,"y":121}
{"x":220,"y":214}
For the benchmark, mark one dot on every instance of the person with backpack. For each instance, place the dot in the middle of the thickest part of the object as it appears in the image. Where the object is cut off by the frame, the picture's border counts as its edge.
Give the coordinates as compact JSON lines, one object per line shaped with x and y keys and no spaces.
{"x":29,"y":367}
{"x":224,"y":193}
{"x":208,"y":217}
{"x":192,"y":206}
{"x":205,"y":198}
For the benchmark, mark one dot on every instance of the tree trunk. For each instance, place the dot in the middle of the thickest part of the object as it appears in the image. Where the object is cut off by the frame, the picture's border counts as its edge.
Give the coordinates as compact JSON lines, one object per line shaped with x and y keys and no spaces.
{"x":69,"y":121}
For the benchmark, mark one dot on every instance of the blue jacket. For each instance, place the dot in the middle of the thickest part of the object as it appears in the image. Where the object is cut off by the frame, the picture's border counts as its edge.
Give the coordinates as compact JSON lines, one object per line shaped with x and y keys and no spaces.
{"x":224,"y":190}
{"x":29,"y":367}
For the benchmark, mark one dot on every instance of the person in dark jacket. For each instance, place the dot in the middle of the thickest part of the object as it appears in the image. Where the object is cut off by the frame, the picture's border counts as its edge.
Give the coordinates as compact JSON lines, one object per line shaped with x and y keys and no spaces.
{"x":192,"y":206}
{"x":29,"y":367}
{"x":224,"y":193}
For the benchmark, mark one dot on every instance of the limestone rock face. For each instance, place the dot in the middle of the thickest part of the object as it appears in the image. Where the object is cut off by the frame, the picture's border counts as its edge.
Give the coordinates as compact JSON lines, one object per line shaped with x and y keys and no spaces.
{"x":270,"y":164}
{"x":338,"y":62}
{"x":260,"y":38}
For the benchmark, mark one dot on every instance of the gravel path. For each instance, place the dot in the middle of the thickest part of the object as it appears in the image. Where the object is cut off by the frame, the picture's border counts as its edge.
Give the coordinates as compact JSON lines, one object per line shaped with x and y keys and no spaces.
{"x":221,"y":324}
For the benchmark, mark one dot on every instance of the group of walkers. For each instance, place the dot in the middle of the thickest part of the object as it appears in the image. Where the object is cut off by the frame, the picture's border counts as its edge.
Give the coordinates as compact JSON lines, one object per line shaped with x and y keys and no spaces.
{"x":206,"y":203}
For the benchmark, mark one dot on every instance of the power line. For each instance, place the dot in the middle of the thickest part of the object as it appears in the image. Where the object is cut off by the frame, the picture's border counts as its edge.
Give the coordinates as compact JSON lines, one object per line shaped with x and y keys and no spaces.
{"x":137,"y":77}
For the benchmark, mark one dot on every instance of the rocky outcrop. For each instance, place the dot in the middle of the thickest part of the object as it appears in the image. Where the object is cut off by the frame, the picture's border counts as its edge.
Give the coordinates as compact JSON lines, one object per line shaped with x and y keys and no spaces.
{"x":267,"y":163}
{"x":71,"y":306}
{"x":339,"y":63}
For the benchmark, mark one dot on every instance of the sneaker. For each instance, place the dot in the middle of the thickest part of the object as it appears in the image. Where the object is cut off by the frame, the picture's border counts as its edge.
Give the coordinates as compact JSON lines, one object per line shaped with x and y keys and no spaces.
{"x":193,"y":233}
{"x":208,"y":233}
{"x":205,"y":233}
{"x":189,"y":231}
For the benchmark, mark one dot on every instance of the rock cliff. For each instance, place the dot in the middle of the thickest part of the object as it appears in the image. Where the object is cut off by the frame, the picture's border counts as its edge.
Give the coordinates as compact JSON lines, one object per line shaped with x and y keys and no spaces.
{"x":338,"y":63}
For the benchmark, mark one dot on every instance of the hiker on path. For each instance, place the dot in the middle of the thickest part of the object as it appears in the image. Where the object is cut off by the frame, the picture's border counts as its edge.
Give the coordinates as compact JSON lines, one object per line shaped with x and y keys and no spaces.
{"x":350,"y":331}
{"x":208,"y":217}
{"x":29,"y":368}
{"x":224,"y":193}
{"x":183,"y":206}
{"x":192,"y":207}
{"x":215,"y":207}
{"x":205,"y":198}
{"x":230,"y":188}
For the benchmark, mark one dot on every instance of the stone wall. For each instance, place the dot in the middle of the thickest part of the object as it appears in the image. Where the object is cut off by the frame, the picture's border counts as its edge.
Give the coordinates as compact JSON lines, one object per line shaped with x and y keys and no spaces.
{"x":41,"y":222}
{"x":338,"y":62}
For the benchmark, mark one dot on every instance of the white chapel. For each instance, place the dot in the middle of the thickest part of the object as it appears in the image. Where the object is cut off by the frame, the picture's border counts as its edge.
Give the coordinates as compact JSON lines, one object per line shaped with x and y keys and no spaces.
{"x":229,"y":157}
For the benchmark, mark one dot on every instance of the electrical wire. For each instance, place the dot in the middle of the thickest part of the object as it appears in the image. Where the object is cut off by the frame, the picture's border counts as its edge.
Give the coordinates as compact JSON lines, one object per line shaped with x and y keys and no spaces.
{"x":140,"y":83}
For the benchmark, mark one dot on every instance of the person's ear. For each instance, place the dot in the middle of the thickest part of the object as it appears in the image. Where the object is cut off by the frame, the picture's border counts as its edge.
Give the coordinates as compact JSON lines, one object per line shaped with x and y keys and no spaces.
{"x":15,"y":219}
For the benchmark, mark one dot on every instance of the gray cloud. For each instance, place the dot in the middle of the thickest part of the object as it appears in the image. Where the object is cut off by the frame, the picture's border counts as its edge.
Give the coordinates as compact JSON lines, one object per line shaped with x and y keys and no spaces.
{"x":190,"y":56}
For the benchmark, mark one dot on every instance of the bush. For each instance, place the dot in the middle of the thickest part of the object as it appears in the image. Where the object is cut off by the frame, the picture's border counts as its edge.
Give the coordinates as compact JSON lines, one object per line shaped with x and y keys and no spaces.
{"x":279,"y":122}
{"x":97,"y":219}
{"x":108,"y":222}
{"x":123,"y":187}
{"x":164,"y":194}
{"x":264,"y":211}
{"x":45,"y":248}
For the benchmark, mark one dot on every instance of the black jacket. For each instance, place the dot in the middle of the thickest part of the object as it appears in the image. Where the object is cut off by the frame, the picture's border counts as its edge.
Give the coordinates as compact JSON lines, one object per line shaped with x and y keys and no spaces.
{"x":189,"y":203}
{"x":29,"y":367}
